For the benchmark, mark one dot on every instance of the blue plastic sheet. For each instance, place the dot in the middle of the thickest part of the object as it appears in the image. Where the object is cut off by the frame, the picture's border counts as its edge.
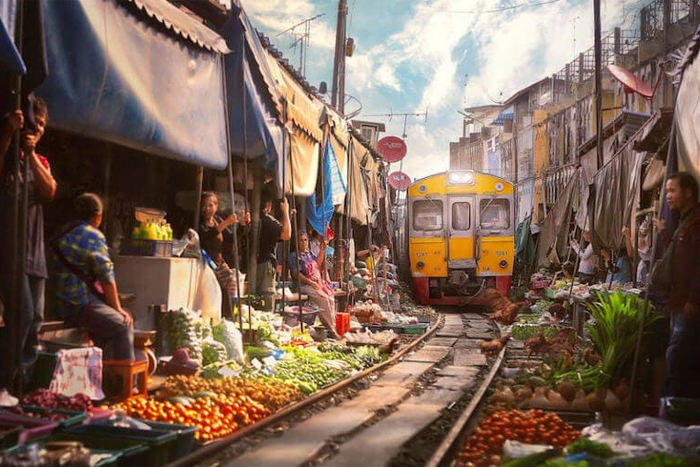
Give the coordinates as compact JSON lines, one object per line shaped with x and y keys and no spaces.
{"x":9,"y":56}
{"x":117,"y":74}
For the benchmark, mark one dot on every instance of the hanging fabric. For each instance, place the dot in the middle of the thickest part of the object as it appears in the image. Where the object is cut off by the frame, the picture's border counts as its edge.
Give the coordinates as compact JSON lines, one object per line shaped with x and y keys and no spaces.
{"x":319,"y":215}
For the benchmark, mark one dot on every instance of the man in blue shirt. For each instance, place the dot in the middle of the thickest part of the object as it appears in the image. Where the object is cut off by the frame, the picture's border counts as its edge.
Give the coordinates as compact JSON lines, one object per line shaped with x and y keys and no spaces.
{"x":84,"y":282}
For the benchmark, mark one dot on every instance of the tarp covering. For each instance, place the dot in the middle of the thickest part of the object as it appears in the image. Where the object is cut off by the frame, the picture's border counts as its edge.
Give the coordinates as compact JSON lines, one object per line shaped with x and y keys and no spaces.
{"x":687,"y":113}
{"x":370,"y":170}
{"x":319,"y":214}
{"x":525,"y":198}
{"x":616,"y":185}
{"x":524,"y":243}
{"x":118,"y":75}
{"x":359,"y":207}
{"x":555,"y":230}
{"x":9,"y":56}
{"x":248,"y":74}
{"x":302,"y":166}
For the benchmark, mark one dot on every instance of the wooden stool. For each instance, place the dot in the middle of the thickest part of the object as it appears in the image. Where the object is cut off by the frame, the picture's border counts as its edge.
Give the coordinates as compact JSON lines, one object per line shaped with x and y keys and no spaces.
{"x":133,"y":375}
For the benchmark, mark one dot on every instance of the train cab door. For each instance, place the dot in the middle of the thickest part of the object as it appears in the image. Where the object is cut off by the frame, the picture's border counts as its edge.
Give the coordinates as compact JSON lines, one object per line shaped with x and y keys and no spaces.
{"x":460,"y":233}
{"x":495,"y":237}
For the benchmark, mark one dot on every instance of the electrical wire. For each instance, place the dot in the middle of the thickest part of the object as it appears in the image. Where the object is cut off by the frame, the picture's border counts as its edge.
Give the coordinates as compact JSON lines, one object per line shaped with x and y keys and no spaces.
{"x":506,"y":8}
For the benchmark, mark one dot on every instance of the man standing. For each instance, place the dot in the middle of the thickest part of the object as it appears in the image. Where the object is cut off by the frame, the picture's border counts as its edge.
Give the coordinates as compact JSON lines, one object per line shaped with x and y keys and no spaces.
{"x":83,"y":267}
{"x":683,"y":292}
{"x":271,"y":232}
{"x":41,"y":188}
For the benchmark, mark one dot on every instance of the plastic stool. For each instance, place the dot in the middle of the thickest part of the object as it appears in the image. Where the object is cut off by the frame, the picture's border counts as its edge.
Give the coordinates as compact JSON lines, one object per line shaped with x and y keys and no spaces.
{"x":133,"y":375}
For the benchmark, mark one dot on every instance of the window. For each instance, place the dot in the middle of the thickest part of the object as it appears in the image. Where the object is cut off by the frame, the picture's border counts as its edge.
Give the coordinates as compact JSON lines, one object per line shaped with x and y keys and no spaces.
{"x":495,"y":214}
{"x":427,"y":215}
{"x":461,"y":214}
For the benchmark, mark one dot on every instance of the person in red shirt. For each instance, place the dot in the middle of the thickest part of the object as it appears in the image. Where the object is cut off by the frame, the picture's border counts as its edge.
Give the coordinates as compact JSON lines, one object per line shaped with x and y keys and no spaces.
{"x":41,"y":189}
{"x":683,"y":295}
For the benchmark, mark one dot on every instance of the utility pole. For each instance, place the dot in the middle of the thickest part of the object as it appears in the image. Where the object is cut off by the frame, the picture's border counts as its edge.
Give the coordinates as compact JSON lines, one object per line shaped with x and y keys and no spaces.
{"x":338,"y":89}
{"x":598,"y":83}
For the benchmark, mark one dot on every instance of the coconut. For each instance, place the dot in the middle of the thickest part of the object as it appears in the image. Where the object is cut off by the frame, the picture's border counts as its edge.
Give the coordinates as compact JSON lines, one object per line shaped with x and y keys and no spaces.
{"x":579,"y":402}
{"x":567,"y":390}
{"x":595,"y":403}
{"x":622,"y":390}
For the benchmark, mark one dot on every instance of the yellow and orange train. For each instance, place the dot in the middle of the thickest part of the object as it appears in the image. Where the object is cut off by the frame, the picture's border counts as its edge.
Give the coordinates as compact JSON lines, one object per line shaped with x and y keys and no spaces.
{"x":458,"y":236}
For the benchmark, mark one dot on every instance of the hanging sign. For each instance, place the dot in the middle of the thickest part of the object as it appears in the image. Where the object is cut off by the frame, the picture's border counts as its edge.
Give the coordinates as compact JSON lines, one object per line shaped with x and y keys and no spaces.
{"x":399,"y":181}
{"x":392,"y":148}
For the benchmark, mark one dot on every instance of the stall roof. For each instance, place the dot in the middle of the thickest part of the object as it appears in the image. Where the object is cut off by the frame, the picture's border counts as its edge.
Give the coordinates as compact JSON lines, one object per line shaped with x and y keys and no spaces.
{"x":634,"y":120}
{"x":182,"y":24}
{"x":116,"y":76}
{"x":655,"y":134}
{"x":9,"y":56}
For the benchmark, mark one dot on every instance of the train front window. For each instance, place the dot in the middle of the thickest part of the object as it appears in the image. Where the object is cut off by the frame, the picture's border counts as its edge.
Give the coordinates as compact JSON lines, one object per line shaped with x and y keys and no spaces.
{"x":461,"y":216}
{"x":427,"y":215}
{"x":495,"y":214}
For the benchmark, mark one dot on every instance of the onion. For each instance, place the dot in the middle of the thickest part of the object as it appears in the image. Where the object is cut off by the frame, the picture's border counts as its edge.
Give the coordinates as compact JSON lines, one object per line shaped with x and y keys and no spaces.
{"x":612,"y":403}
{"x":539,"y":400}
{"x":557,"y":401}
{"x":580,"y":402}
{"x":523,"y":394}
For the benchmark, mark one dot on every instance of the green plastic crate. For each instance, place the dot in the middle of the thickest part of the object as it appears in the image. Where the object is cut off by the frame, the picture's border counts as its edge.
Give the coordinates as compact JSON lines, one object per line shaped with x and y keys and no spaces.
{"x":160,"y":443}
{"x":130,"y":452}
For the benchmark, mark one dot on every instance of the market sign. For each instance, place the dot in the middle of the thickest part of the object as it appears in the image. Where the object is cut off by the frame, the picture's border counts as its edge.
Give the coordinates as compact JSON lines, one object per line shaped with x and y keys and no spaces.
{"x":392,"y":148}
{"x":399,"y":181}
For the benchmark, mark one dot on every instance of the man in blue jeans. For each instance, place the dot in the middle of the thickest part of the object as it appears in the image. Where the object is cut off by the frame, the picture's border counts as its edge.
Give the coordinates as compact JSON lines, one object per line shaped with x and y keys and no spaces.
{"x":83,"y":274}
{"x":683,"y":294}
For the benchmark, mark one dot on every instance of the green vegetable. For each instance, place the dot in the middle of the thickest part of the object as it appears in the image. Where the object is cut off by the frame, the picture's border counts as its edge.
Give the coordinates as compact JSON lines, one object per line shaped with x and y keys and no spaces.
{"x":593,"y":448}
{"x":522,"y":333}
{"x":614,"y":333}
{"x":253,"y":352}
{"x":664,"y":460}
{"x":533,"y":460}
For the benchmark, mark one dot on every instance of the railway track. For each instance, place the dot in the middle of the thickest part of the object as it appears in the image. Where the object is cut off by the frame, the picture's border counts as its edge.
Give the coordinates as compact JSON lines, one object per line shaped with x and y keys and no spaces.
{"x":410,"y":410}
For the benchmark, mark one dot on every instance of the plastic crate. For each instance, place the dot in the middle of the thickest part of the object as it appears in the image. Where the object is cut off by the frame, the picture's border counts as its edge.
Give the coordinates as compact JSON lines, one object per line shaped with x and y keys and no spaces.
{"x":111,"y":459}
{"x":125,"y":452}
{"x":160,"y":443}
{"x":291,"y":316}
{"x":73,"y":417}
{"x":184,"y":443}
{"x":140,"y":247}
{"x":32,"y":428}
{"x":9,"y":434}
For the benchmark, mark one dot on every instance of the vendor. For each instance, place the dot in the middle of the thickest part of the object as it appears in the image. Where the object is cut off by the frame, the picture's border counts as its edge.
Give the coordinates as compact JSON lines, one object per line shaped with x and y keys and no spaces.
{"x":306,"y":266}
{"x":617,"y":272}
{"x":566,"y":272}
{"x":83,"y":276}
{"x":215,"y":232}
{"x":587,"y":264}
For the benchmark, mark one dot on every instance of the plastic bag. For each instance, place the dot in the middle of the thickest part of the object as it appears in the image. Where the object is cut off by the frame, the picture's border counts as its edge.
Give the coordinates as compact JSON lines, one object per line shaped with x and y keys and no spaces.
{"x":121,"y":420}
{"x":663,"y":436}
{"x":227,"y":333}
{"x":208,"y":294}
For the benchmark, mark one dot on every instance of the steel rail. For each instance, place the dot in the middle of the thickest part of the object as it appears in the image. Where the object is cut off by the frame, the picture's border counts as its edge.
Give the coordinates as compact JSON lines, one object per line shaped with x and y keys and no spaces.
{"x":218,"y":445}
{"x":457,"y":429}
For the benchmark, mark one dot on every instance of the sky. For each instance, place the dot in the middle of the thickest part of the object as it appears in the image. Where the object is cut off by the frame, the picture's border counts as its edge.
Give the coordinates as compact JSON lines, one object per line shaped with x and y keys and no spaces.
{"x":436,"y":56}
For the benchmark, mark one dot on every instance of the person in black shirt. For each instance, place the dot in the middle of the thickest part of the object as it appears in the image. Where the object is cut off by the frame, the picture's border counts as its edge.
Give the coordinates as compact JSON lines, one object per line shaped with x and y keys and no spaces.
{"x":271,"y":232}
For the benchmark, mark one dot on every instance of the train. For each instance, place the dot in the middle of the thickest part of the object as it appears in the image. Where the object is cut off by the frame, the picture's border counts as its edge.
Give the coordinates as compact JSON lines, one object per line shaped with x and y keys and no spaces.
{"x":454,"y":236}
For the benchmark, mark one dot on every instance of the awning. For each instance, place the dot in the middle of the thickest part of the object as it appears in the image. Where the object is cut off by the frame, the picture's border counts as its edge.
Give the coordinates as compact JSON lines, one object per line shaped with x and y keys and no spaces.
{"x":688,"y":111}
{"x":506,"y":114}
{"x":9,"y":56}
{"x":141,"y":74}
{"x":252,"y":77}
{"x":656,"y":133}
{"x":357,"y":194}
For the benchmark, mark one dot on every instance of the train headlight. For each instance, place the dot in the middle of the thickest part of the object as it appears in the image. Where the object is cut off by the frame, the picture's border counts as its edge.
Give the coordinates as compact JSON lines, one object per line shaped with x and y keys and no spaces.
{"x":503,"y":264}
{"x":456,"y":178}
{"x":499,"y":186}
{"x":420,"y":265}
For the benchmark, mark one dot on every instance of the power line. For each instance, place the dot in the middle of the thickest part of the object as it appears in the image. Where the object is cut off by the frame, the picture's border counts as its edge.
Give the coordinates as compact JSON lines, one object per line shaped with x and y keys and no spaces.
{"x":506,"y":8}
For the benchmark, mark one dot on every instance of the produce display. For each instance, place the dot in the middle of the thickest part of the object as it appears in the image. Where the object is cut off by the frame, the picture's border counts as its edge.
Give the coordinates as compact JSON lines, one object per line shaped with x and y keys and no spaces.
{"x":215,"y":416}
{"x":51,"y":400}
{"x":186,"y":329}
{"x":523,"y":332}
{"x":485,"y":446}
{"x":270,"y":393}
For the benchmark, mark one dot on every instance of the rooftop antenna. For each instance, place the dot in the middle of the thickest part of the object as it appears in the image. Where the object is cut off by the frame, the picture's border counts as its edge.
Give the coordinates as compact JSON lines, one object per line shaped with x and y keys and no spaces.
{"x":573,"y":21}
{"x":301,"y":40}
{"x":405,"y":116}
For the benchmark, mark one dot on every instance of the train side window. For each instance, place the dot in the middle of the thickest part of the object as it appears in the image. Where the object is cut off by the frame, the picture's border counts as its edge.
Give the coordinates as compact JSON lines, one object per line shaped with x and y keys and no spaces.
{"x":461,"y":216}
{"x":495,"y":214}
{"x":427,"y":215}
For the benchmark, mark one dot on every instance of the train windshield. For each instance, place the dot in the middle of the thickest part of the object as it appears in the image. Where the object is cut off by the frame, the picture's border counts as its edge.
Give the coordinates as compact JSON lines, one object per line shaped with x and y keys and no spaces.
{"x":495,"y":214}
{"x":427,"y":215}
{"x":461,"y":216}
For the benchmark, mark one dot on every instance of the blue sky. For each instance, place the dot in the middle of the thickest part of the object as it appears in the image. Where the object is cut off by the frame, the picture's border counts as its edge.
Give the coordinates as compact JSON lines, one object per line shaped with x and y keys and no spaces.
{"x":439,"y":55}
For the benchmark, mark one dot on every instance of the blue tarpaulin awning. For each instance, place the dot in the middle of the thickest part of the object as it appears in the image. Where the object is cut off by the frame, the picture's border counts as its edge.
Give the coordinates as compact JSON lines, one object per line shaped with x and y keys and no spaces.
{"x":248,"y":74}
{"x":142,"y":74}
{"x":9,"y":56}
{"x":506,"y":114}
